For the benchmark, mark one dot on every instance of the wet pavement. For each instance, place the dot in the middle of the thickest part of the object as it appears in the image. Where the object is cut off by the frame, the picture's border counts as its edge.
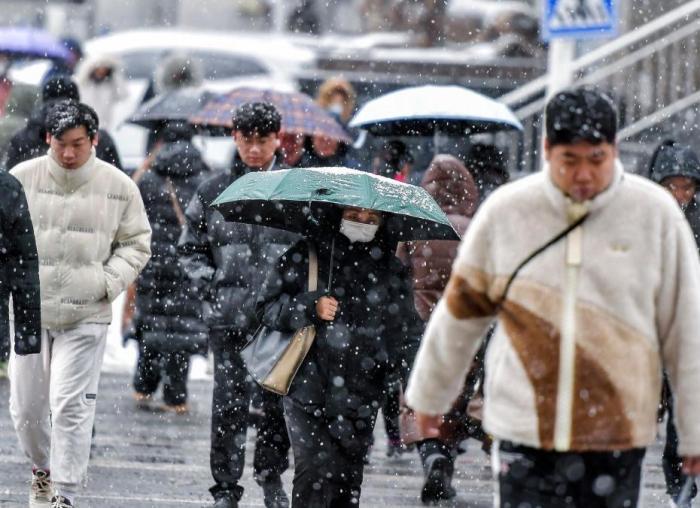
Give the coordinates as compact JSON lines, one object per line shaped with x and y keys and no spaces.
{"x":143,"y":459}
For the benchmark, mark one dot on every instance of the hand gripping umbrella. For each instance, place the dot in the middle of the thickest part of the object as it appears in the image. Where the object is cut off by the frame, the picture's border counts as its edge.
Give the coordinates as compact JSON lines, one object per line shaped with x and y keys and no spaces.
{"x":298,"y":199}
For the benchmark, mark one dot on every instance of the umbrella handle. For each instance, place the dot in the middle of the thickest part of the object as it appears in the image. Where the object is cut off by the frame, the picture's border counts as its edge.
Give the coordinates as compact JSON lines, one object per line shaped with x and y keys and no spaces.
{"x":330,"y":270}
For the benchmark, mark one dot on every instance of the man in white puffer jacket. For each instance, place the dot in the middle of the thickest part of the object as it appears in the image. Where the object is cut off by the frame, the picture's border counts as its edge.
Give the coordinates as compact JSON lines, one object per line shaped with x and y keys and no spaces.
{"x":610,"y":294}
{"x":93,"y":238}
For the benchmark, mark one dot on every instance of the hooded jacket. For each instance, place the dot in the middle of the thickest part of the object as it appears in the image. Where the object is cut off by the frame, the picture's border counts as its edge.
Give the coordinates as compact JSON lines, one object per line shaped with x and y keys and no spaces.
{"x":92,"y":236}
{"x":672,"y":159}
{"x":226,"y":262}
{"x":101,"y":96}
{"x":166,"y":311}
{"x":375,"y":331}
{"x":575,"y":362}
{"x":453,"y":188}
{"x":19,"y":268}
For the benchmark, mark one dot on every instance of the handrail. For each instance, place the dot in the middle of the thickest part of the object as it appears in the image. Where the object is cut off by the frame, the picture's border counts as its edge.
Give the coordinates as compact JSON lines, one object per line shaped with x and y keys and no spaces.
{"x":657,"y":116}
{"x":539,"y":85}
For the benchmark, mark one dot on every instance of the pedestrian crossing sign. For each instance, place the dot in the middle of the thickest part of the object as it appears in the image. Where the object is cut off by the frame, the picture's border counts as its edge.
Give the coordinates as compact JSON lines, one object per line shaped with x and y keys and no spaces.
{"x":579,"y":18}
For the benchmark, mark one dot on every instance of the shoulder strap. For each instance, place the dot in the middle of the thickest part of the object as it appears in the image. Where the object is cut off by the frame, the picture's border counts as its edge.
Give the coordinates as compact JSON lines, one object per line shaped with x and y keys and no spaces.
{"x":313,"y":267}
{"x":537,"y":252}
{"x":175,"y":202}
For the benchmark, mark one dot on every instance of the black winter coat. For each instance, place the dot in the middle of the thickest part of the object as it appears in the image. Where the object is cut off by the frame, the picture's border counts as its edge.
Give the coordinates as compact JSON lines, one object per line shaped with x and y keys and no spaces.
{"x":227,"y":262}
{"x":30,"y":143}
{"x":375,"y":331}
{"x":167,"y":313}
{"x":19,"y":268}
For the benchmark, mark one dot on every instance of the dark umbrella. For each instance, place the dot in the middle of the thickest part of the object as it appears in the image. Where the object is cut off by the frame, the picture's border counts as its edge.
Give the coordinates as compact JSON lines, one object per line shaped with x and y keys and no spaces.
{"x":297,"y":199}
{"x":176,"y":105}
{"x":300,"y":114}
{"x":31,"y":42}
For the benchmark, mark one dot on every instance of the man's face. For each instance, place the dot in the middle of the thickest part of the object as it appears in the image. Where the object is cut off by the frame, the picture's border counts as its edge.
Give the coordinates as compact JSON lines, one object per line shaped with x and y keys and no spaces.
{"x":73,"y":148}
{"x":256,"y":151}
{"x":581,"y":170}
{"x":682,"y":188}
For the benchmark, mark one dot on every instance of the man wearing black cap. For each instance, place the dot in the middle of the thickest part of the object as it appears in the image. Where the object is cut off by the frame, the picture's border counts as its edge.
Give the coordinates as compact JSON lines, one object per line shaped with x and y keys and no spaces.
{"x":30,"y":142}
{"x":592,"y":276}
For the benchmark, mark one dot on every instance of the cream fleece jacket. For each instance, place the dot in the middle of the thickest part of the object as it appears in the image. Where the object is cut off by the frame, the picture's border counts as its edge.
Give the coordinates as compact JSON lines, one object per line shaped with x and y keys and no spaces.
{"x":627,"y":306}
{"x":92,"y":235}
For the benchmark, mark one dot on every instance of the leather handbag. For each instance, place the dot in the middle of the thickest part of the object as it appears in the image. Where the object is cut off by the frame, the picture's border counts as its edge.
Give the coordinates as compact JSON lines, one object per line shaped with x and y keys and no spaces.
{"x":273,"y":357}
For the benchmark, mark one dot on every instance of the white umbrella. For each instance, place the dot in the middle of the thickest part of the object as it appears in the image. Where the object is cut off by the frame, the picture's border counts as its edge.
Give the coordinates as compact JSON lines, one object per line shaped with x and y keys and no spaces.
{"x":429,"y":110}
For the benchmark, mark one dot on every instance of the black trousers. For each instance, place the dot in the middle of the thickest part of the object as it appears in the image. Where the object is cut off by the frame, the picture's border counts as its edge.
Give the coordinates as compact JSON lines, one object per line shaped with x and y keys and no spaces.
{"x":328,"y":457}
{"x":4,"y":348}
{"x":229,"y":422}
{"x":672,"y":462}
{"x":546,"y":479}
{"x":170,"y":368}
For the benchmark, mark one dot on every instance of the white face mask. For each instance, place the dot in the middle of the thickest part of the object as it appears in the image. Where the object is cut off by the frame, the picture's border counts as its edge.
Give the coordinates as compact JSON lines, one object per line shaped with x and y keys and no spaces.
{"x":357,"y":231}
{"x":336,"y":108}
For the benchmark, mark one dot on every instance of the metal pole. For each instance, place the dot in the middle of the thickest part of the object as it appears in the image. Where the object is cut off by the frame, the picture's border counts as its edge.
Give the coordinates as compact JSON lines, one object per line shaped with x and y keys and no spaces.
{"x":279,"y":13}
{"x":560,"y":64}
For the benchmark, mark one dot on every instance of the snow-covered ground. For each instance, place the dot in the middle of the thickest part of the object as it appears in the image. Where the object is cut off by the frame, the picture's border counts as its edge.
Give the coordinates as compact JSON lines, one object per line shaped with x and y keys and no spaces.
{"x":121,"y":359}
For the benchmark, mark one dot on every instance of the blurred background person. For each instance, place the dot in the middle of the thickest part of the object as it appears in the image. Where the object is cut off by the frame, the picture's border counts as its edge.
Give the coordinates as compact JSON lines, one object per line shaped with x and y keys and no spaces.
{"x":454,"y":189}
{"x":488,"y":165}
{"x":167,"y":321}
{"x":677,"y":168}
{"x":31,"y":141}
{"x":394,"y":160}
{"x":292,"y":148}
{"x":101,"y":83}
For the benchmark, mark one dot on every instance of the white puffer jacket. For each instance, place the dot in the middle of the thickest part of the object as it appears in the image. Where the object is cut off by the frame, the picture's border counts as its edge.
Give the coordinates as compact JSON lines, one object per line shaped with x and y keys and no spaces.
{"x":92,"y":235}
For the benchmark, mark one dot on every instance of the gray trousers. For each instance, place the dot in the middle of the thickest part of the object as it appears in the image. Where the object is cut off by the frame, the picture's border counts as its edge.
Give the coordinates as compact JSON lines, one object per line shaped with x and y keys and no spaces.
{"x":52,"y":401}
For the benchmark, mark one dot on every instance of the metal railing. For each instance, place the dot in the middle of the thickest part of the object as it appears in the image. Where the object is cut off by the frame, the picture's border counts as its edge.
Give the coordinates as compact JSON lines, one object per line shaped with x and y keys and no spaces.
{"x":651,"y":72}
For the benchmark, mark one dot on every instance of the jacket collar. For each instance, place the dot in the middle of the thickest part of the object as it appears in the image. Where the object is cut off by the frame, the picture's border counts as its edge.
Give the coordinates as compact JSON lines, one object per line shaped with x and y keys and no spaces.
{"x":71,"y":179}
{"x":240,"y":168}
{"x":565,"y":205}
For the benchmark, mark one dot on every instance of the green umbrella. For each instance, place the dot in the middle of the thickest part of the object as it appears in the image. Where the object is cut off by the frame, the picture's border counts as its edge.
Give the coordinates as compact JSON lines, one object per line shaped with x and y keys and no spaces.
{"x":299,"y":200}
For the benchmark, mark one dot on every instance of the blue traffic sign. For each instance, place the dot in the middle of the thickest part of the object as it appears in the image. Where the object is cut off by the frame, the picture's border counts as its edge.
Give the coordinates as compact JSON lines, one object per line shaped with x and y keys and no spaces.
{"x":579,"y":19}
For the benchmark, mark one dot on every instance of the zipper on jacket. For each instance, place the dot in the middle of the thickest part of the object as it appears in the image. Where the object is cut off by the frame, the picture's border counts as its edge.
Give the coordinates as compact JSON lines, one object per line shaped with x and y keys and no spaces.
{"x":567,"y":346}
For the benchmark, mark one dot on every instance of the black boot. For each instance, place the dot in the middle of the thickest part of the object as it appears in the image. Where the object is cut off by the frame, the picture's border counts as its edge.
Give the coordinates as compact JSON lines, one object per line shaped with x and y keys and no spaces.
{"x":438,"y":479}
{"x":273,"y":493}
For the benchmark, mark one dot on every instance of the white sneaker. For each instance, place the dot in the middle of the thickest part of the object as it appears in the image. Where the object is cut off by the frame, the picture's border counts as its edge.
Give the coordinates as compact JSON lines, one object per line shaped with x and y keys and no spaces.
{"x":61,"y":502}
{"x":41,"y":490}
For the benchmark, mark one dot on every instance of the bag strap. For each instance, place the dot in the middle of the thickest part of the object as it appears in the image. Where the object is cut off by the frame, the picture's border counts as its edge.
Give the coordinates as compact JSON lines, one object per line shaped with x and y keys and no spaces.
{"x":175,"y":202}
{"x":313,"y":267}
{"x":536,"y":253}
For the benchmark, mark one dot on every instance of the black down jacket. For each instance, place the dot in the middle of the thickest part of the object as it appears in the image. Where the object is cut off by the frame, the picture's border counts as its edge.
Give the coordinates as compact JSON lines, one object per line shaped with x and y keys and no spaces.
{"x":168,"y":315}
{"x":227,"y":262}
{"x":19,"y":268}
{"x":376,"y":330}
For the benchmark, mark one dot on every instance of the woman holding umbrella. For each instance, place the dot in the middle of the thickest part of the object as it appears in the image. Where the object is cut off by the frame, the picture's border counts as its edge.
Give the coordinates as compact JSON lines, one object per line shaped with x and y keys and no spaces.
{"x":365,"y":326}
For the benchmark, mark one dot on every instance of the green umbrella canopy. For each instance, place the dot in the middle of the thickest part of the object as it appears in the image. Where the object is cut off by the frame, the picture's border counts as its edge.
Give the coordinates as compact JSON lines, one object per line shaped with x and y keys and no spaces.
{"x":296,"y":199}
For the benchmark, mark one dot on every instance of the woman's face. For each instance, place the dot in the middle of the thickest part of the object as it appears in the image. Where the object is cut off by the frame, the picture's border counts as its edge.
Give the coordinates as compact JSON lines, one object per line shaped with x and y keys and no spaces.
{"x":363,"y":216}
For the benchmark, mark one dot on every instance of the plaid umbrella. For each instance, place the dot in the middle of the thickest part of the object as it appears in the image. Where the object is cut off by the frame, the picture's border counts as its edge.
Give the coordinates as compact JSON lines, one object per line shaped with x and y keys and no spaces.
{"x":300,"y":114}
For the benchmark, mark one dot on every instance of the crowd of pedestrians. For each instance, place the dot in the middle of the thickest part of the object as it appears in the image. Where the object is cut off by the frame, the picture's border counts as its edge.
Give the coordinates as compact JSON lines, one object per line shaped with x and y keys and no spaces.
{"x":569,"y":304}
